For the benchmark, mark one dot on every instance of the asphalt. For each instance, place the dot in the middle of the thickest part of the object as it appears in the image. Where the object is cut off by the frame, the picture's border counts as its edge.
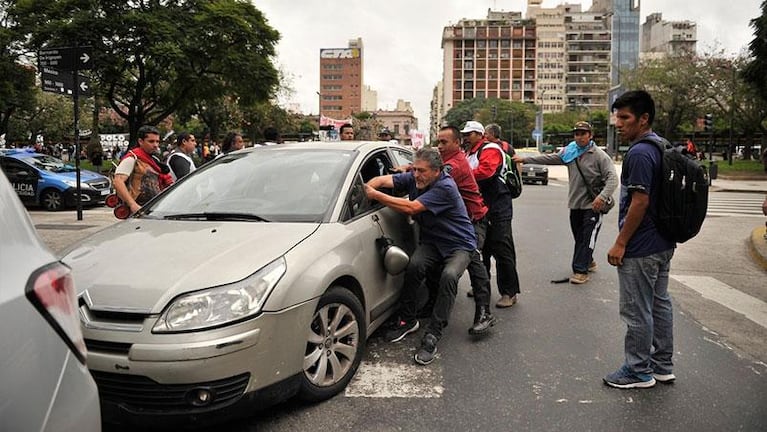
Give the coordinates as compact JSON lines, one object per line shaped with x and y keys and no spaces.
{"x":63,"y":229}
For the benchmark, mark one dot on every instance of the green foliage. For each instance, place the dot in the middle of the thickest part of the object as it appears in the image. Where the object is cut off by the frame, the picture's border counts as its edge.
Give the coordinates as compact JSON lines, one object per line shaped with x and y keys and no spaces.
{"x":510,"y":115}
{"x":755,"y":72}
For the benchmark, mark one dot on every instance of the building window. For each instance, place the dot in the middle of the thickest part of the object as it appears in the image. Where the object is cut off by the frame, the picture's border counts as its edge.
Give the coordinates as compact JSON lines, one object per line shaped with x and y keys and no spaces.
{"x":468,"y":64}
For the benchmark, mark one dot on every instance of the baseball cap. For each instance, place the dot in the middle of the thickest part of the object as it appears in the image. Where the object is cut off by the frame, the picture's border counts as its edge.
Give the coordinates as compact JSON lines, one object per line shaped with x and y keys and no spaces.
{"x":582,"y":126}
{"x":384,"y":131}
{"x":473,"y":126}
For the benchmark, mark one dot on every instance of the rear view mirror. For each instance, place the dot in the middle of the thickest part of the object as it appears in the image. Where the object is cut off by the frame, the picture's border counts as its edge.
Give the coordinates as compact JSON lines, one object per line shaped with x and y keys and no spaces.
{"x":395,"y":259}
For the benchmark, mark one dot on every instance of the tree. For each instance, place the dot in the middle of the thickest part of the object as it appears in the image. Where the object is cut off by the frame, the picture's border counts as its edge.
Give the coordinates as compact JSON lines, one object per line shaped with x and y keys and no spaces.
{"x":513,"y":117}
{"x":755,"y":72}
{"x":17,"y":81}
{"x":154,"y":57}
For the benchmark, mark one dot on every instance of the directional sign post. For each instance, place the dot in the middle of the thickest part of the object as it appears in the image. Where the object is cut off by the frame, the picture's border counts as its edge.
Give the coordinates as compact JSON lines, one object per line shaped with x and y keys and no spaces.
{"x":66,"y":58}
{"x":56,"y":65}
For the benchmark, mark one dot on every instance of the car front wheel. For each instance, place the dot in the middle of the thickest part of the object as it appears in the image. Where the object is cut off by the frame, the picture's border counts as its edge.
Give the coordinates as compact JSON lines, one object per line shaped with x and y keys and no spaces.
{"x":334,"y":346}
{"x":52,"y":200}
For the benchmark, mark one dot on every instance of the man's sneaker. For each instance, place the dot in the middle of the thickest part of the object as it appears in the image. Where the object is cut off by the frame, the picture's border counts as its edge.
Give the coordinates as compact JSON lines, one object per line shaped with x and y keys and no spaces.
{"x":401,"y":329}
{"x":593,"y":267}
{"x":579,"y":278}
{"x":625,"y":379}
{"x":428,"y":350}
{"x":664,"y":378}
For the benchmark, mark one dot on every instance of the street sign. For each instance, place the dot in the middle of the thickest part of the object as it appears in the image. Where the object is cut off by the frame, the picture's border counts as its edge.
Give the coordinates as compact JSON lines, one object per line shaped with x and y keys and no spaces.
{"x":65,"y":58}
{"x":536,"y":135}
{"x":59,"y":82}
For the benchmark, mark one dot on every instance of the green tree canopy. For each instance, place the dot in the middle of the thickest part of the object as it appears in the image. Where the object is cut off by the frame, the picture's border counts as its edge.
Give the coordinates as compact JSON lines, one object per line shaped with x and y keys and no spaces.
{"x":510,"y":115}
{"x":154,"y":57}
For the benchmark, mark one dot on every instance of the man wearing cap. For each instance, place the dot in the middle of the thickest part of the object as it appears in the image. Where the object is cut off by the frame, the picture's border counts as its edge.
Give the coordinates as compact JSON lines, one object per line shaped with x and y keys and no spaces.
{"x":592,"y":180}
{"x":486,"y":161}
{"x":384,"y":135}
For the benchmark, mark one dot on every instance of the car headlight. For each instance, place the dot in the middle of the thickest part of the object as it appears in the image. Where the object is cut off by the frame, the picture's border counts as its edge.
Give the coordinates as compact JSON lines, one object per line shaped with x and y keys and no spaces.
{"x":72,"y":183}
{"x":217,"y":306}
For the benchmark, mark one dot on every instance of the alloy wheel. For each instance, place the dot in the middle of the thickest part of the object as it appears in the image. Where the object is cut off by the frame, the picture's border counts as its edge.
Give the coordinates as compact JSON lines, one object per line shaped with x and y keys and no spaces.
{"x":332,"y":345}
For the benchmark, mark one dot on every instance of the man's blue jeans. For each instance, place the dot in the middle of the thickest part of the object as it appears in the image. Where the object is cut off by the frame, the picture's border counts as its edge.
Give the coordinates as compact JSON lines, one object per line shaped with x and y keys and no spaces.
{"x":645,"y":307}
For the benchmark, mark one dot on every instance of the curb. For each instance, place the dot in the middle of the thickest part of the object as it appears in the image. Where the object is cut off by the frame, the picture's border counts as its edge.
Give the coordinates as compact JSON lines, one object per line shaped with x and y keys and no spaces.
{"x":757,"y":246}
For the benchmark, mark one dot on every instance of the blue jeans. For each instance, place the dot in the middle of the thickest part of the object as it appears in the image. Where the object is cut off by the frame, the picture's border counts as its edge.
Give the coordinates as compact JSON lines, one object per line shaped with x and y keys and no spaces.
{"x":645,"y":307}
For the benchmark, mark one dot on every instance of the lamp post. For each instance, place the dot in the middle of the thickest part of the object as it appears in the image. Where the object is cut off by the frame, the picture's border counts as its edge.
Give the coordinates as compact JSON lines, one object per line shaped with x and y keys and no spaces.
{"x":319,"y":109}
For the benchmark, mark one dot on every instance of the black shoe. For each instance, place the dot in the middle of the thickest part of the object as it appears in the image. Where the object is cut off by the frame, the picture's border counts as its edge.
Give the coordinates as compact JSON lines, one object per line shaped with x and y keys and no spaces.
{"x":401,"y":329}
{"x":483,"y":320}
{"x":428,"y":350}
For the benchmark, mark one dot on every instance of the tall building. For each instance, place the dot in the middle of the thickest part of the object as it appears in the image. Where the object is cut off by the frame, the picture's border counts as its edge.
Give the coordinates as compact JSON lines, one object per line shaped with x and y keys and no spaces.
{"x":588,"y":59}
{"x":369,"y":99}
{"x":551,"y":52}
{"x":668,"y":37}
{"x":341,"y":80}
{"x":623,"y":21}
{"x":489,"y":58}
{"x":436,"y":113}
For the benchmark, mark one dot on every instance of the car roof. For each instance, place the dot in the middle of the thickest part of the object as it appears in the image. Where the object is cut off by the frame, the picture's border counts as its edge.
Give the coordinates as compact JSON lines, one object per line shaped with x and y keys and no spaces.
{"x":20,"y":153}
{"x":360,"y":146}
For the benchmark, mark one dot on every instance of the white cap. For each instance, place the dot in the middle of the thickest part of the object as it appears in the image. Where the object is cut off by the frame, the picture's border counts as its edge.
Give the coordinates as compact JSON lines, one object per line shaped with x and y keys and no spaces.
{"x":473,"y":126}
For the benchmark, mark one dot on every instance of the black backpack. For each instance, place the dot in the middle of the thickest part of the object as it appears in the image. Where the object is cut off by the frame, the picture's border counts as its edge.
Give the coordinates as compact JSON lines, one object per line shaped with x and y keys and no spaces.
{"x":508,"y":172}
{"x":683,"y":194}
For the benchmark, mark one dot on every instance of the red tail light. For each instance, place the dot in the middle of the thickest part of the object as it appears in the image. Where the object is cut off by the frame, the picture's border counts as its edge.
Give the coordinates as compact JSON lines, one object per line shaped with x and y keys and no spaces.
{"x":51,"y":290}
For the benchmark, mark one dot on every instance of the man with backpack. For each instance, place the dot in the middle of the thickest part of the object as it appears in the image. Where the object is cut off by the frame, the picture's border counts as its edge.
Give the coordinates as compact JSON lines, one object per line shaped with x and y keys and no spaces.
{"x":641,"y":254}
{"x":140,"y":175}
{"x":487,"y":163}
{"x":592,"y":181}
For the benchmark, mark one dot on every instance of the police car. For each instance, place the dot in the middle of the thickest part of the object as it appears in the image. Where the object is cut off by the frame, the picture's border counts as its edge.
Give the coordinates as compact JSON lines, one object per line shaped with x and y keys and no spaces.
{"x":44,"y":180}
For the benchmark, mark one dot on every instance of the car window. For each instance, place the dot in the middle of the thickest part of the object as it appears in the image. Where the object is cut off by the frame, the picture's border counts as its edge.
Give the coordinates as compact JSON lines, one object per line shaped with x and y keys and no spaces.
{"x":402,"y":157}
{"x":357,"y":202}
{"x":279,"y":185}
{"x":13,"y":167}
{"x":49,"y":163}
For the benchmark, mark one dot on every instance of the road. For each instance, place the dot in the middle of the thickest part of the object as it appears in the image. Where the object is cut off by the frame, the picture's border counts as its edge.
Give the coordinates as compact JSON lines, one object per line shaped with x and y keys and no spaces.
{"x":541,"y":368}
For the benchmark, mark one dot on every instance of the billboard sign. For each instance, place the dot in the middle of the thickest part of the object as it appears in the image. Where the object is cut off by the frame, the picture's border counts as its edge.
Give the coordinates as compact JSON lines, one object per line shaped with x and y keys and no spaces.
{"x":339,"y":53}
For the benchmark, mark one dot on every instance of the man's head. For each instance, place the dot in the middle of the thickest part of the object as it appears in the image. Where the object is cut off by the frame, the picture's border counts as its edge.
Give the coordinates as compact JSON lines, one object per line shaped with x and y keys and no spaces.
{"x":473,"y":132}
{"x":448,"y":140}
{"x":583,"y":133}
{"x":384,"y":135}
{"x":149,"y":139}
{"x":347,"y":132}
{"x":634,"y":114}
{"x":186,"y":142}
{"x":427,"y":167}
{"x":493,"y":132}
{"x":232,"y":142}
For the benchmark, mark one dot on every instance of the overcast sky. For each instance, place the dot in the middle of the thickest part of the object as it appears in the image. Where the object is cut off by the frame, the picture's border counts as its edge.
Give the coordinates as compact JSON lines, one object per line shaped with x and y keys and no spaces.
{"x":402,"y":38}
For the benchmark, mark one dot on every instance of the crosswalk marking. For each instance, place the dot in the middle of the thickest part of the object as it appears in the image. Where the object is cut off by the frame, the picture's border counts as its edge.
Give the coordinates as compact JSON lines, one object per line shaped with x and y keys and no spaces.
{"x":731,"y":204}
{"x":712,"y":289}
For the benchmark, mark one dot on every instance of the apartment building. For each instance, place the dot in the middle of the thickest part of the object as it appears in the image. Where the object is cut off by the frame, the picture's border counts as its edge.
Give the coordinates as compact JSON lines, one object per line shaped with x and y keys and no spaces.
{"x":436,"y":113}
{"x":489,"y":58}
{"x":668,"y":37}
{"x":588,"y":46}
{"x":341,"y":80}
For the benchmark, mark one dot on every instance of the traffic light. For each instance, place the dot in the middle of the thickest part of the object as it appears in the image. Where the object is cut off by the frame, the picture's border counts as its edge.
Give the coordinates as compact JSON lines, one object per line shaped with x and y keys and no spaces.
{"x":495,"y":111}
{"x":708,"y":122}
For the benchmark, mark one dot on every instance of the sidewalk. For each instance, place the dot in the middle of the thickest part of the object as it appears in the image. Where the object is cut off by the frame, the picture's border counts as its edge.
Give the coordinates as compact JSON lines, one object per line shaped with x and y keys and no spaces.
{"x":757,"y":243}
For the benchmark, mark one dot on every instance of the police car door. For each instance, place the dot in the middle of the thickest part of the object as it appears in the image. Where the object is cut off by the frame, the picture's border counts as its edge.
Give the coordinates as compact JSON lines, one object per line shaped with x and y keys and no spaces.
{"x":23,"y":178}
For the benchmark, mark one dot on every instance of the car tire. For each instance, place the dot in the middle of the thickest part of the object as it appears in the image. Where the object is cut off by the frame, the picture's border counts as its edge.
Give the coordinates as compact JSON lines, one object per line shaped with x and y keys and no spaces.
{"x":52,"y":200}
{"x":334,"y":346}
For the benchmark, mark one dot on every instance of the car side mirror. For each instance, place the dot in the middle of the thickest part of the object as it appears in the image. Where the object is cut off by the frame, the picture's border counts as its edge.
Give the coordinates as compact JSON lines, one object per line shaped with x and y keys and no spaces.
{"x":395,"y":259}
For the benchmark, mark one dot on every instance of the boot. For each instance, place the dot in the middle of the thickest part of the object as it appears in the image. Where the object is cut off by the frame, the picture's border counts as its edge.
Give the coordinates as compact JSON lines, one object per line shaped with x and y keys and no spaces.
{"x":483,"y":320}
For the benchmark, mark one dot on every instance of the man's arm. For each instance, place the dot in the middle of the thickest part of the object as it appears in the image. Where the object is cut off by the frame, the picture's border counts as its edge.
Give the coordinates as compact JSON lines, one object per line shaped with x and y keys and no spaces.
{"x":640,"y":201}
{"x":402,"y":205}
{"x":122,"y":191}
{"x":488,"y":163}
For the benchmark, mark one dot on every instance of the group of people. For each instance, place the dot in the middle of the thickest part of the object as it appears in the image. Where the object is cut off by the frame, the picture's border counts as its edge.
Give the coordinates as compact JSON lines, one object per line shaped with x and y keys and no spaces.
{"x":346,"y":133}
{"x":464,"y":211}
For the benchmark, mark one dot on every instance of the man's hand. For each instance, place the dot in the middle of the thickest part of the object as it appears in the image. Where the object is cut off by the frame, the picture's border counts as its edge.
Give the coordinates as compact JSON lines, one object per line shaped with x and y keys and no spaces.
{"x":134,"y":207}
{"x":615,"y":254}
{"x":370,"y":192}
{"x":598,"y":204}
{"x":518,"y":159}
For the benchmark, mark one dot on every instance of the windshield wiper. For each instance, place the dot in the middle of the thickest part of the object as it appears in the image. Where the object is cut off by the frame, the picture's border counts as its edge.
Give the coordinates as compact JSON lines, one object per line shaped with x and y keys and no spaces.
{"x":214,"y":216}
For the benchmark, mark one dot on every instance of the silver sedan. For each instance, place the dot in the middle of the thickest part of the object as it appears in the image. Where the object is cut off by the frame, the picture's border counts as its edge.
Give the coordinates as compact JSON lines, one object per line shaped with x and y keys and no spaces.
{"x":255,"y":278}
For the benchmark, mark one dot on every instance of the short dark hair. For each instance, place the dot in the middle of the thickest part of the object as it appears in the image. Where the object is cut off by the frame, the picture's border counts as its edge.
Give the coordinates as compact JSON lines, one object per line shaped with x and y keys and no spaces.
{"x":345,"y":125}
{"x":454,"y":131}
{"x":271,"y":134}
{"x":226,"y":147}
{"x":638,"y":102}
{"x":493,"y":129}
{"x":145,"y":130}
{"x":431,"y":156}
{"x":183,"y":136}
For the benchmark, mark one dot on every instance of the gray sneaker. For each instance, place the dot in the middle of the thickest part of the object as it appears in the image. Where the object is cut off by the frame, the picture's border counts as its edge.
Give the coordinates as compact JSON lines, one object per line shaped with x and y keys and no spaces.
{"x":428,"y":350}
{"x":624,"y":378}
{"x":667,"y":378}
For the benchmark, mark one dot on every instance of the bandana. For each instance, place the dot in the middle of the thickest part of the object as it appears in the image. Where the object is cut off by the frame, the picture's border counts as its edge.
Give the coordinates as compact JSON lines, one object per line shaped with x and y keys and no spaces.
{"x":573,"y":151}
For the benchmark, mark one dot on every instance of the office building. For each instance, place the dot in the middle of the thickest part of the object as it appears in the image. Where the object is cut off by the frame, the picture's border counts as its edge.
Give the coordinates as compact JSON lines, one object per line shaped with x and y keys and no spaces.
{"x":668,"y":38}
{"x":341,"y":80}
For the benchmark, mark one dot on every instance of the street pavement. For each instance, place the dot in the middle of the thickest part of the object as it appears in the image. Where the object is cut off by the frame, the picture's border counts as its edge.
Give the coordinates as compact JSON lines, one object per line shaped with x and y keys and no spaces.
{"x":541,"y":367}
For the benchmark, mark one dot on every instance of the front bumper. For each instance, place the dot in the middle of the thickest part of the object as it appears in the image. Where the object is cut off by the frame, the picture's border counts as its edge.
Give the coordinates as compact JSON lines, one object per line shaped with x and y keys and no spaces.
{"x":143,"y":376}
{"x":87,"y":196}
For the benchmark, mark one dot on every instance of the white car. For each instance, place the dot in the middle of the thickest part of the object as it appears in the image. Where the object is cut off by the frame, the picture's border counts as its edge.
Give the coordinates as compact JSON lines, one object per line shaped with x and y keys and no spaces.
{"x":44,"y":383}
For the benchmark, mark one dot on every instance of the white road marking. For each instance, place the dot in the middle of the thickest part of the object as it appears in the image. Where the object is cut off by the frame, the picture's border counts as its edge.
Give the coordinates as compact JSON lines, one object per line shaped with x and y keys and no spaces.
{"x":712,"y":289}
{"x":393,"y":380}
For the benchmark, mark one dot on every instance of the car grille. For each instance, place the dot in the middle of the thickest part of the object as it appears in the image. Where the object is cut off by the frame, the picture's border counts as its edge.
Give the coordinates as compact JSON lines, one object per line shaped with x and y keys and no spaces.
{"x":107,"y":347}
{"x":139,"y":392}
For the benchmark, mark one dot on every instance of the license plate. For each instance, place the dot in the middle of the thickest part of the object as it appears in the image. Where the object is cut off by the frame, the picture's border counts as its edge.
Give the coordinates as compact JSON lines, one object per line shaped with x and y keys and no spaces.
{"x":105,"y":192}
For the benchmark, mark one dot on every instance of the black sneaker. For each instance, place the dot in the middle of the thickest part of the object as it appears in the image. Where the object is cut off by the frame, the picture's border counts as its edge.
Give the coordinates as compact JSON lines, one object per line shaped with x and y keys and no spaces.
{"x":401,"y":329}
{"x":428,"y":350}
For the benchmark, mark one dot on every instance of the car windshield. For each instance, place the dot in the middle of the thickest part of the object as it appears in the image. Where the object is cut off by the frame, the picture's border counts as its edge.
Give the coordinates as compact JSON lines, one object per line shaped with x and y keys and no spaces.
{"x":49,"y":163}
{"x":263,"y":185}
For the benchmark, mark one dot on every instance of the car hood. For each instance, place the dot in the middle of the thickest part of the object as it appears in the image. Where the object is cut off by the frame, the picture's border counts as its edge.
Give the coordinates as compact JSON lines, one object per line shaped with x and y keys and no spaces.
{"x":140,"y":265}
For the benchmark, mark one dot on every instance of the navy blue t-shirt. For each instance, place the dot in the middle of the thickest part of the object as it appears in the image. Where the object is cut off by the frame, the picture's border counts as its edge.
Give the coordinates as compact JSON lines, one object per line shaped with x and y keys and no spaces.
{"x":445,"y":223}
{"x":640,"y":174}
